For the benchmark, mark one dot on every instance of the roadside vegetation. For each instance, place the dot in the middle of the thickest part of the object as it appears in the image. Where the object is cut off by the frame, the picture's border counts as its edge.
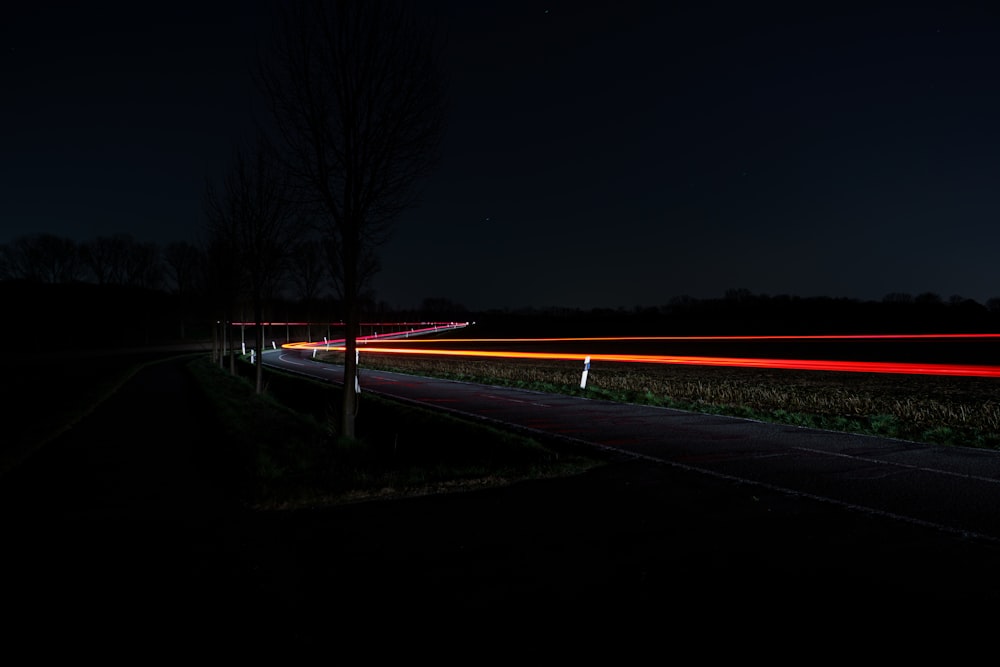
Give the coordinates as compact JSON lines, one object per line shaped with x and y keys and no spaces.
{"x":278,"y":449}
{"x":281,"y":449}
{"x":930,"y":409}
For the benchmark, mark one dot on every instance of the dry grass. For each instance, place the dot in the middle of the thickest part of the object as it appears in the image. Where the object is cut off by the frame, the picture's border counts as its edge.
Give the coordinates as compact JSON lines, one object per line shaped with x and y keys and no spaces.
{"x":959,"y":410}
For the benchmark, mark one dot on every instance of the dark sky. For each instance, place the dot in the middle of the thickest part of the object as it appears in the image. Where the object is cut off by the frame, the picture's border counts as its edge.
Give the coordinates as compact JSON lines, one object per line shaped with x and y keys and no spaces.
{"x":599,"y":154}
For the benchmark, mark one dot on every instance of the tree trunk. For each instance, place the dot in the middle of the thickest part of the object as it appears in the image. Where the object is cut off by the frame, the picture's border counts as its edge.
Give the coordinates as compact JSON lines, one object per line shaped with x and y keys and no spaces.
{"x":232,"y":353}
{"x":258,"y":314}
{"x":351,"y":255}
{"x":223,"y":347}
{"x":349,"y":407}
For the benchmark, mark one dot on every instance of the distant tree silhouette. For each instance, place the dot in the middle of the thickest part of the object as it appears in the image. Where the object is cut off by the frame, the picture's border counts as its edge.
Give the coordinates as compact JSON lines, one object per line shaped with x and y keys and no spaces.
{"x":41,"y":257}
{"x":308,"y":275}
{"x":122,"y":260}
{"x":105,"y":258}
{"x":144,"y":265}
{"x":682,"y":300}
{"x":356,"y":98}
{"x":183,"y":261}
{"x":739,"y":294}
{"x":897,"y":297}
{"x":928,"y":299}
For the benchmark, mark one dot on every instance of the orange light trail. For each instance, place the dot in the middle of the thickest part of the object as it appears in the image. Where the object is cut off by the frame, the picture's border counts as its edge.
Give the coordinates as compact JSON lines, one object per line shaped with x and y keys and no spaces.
{"x":376,"y":343}
{"x":789,"y":364}
{"x":704,"y":338}
{"x":427,"y":326}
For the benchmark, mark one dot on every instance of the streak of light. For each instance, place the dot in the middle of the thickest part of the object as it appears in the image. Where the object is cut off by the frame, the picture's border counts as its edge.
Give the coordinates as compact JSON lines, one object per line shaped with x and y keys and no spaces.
{"x":375,"y":342}
{"x":424,"y":328}
{"x":428,"y":326}
{"x":706,"y":338}
{"x":788,"y":364}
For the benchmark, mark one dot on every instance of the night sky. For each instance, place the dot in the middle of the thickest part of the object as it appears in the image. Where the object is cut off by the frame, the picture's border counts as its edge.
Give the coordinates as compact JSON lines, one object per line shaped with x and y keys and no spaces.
{"x":606,"y":154}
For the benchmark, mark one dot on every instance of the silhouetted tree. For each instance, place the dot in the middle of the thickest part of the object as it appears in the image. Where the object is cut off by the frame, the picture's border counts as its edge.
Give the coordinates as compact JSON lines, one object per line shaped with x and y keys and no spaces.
{"x":897,"y":297}
{"x":255,"y":216}
{"x":355,"y":94}
{"x":182,"y":260}
{"x":121,"y":260}
{"x":738,"y":295}
{"x":308,"y":274}
{"x":42,"y":257}
{"x":104,"y":257}
{"x":143,"y":265}
{"x":223,"y":285}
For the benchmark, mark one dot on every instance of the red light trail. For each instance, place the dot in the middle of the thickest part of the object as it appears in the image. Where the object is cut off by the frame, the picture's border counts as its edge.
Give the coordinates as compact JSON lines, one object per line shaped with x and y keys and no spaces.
{"x":428,"y":326}
{"x":371,"y":344}
{"x":711,"y":338}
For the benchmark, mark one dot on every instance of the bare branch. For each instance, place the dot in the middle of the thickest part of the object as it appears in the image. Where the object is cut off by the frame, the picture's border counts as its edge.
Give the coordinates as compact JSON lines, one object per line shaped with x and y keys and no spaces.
{"x":355,"y":91}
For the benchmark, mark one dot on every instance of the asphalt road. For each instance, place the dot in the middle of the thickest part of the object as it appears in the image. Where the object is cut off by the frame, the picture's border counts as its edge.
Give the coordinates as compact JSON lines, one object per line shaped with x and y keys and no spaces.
{"x":117,"y":543}
{"x":951,"y":489}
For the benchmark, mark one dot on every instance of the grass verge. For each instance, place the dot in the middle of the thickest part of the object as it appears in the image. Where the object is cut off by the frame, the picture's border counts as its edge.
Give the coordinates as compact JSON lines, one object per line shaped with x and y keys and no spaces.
{"x":961,"y":411}
{"x":281,"y":449}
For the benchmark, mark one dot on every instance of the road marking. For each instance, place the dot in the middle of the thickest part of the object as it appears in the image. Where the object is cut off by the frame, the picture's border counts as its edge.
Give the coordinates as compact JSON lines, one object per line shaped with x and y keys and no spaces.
{"x":514,"y":400}
{"x":290,"y":360}
{"x":881,"y":461}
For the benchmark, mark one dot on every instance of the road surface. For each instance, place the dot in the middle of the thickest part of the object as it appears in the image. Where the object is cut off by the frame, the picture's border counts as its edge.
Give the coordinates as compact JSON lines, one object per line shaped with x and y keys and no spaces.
{"x":952,"y":489}
{"x":718,"y":535}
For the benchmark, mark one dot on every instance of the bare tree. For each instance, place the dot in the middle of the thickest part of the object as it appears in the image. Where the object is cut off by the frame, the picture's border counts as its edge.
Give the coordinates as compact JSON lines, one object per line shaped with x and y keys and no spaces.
{"x":254,"y":213}
{"x":108,"y":258}
{"x":897,"y":297}
{"x":308,"y":274}
{"x":143,"y":266}
{"x":104,"y":257}
{"x":928,"y":299}
{"x":41,"y":257}
{"x":357,"y":100}
{"x":182,"y":260}
{"x":223,"y":284}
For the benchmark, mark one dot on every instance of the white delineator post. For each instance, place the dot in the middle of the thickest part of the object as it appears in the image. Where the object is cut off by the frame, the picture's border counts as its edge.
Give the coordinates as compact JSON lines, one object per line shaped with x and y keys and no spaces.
{"x":586,"y":369}
{"x":357,"y":378}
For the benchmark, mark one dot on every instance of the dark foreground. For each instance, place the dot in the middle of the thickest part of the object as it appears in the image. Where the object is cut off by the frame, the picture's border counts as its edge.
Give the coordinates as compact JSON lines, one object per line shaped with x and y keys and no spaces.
{"x":113,"y":538}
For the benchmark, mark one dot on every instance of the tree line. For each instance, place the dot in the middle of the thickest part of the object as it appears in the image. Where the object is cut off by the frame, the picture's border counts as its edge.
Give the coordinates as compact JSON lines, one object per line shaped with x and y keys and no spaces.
{"x":741,"y":312}
{"x":355,"y":116}
{"x":106,"y":260}
{"x":187,"y":272}
{"x":356,"y":107}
